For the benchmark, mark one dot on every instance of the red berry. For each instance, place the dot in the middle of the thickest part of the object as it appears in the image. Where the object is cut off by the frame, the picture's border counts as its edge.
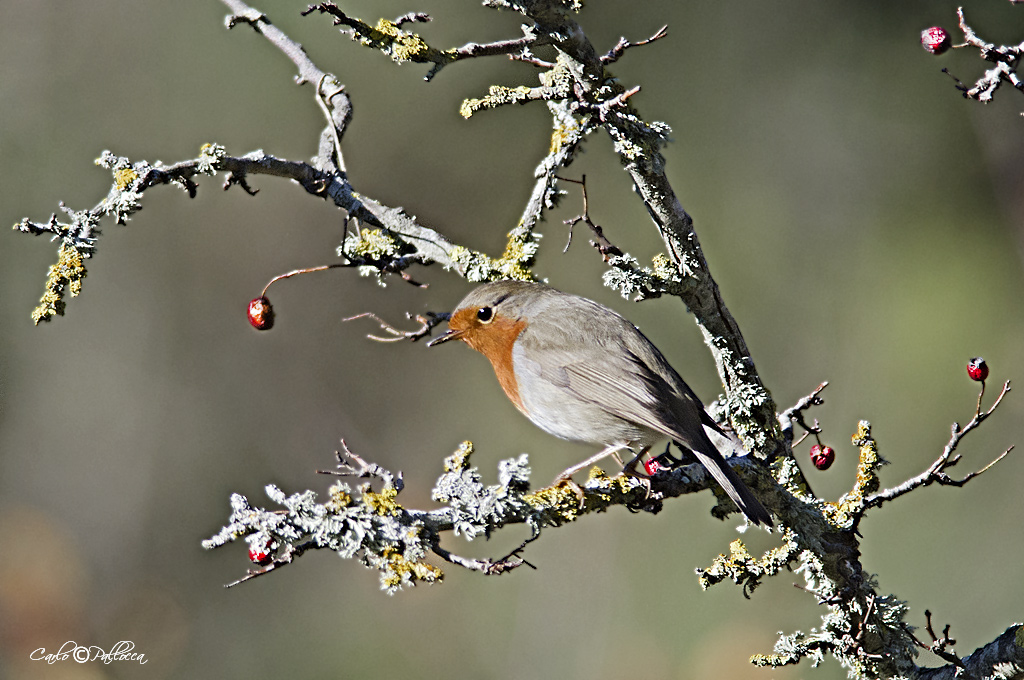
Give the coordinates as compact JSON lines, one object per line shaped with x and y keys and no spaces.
{"x":935,"y":40}
{"x":822,"y":456}
{"x":262,"y":554}
{"x":652,"y":466}
{"x":261,"y":314}
{"x":977,"y":369}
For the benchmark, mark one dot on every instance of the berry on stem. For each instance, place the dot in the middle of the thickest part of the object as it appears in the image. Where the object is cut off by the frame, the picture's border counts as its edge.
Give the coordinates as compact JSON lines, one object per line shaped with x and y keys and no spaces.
{"x":977,"y":369}
{"x":822,"y":456}
{"x":936,"y":40}
{"x":261,"y":314}
{"x":652,"y":466}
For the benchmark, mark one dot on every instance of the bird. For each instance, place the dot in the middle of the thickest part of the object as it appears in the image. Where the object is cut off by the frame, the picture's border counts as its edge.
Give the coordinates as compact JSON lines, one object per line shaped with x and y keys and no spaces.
{"x":580,"y":371}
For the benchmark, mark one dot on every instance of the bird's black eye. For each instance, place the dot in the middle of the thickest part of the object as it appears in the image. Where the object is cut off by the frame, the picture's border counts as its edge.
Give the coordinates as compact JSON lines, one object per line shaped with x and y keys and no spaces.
{"x":485,"y":314}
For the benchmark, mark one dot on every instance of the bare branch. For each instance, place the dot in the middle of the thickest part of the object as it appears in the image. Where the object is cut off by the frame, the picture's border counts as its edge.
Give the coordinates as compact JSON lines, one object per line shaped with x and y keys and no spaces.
{"x":615,"y":53}
{"x":936,"y":472}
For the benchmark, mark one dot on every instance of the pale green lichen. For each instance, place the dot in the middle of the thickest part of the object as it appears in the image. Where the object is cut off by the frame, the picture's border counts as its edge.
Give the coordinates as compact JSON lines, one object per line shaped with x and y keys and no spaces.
{"x":639,"y":283}
{"x":340,"y":497}
{"x":125,"y":197}
{"x":473,"y":265}
{"x":210,"y":158}
{"x":373,"y":244}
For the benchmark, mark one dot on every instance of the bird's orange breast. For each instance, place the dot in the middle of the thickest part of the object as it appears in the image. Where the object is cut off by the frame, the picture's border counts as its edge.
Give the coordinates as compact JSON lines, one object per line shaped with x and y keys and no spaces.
{"x":495,"y":341}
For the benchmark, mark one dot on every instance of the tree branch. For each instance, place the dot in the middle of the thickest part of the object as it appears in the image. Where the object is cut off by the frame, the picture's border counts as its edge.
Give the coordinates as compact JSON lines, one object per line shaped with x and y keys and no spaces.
{"x":862,"y":628}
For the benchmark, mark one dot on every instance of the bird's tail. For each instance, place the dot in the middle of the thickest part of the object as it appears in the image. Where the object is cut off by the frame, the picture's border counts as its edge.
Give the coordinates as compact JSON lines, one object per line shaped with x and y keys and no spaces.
{"x":727,"y":478}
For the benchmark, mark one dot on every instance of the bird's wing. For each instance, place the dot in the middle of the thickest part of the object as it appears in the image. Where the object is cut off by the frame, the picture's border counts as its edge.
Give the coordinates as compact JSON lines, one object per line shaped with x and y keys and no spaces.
{"x":625,"y":386}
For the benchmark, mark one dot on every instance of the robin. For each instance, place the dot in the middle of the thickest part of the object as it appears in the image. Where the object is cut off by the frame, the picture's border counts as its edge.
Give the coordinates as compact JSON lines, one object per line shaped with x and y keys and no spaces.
{"x":582,"y":372}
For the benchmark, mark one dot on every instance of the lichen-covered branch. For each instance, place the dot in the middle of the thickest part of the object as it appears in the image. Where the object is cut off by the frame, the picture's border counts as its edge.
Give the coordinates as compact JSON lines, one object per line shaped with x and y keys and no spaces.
{"x":1001,"y":659}
{"x":1005,"y":57}
{"x":372,"y":525}
{"x":864,"y":630}
{"x":404,"y":46}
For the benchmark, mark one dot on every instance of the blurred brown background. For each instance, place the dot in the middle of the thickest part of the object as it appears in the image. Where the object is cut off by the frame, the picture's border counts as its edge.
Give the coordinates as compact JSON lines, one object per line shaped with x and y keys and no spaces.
{"x":863,"y":220}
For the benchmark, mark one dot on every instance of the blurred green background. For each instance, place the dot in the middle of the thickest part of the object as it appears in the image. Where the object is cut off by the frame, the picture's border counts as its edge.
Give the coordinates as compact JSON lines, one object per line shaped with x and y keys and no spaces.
{"x":863,"y":221}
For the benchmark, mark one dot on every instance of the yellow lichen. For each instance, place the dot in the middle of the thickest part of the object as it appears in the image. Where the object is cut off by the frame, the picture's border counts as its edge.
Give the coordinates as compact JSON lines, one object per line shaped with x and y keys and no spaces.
{"x":561,"y":499}
{"x":773,"y":660}
{"x":339,"y":498}
{"x":515,"y":261}
{"x":497,"y":95}
{"x":124,"y":178}
{"x":382,"y":503}
{"x":67,"y":274}
{"x":403,"y":46}
{"x":398,"y":566}
{"x":459,"y":460}
{"x":663,"y":267}
{"x":742,"y":567}
{"x":842,"y":512}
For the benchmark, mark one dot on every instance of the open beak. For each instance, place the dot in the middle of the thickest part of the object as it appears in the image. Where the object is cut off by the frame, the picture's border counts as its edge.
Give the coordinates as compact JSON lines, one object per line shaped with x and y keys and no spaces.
{"x":450,"y":335}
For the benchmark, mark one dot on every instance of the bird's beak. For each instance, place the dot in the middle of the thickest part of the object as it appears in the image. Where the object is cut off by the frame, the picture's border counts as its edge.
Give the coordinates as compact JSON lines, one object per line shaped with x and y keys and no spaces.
{"x":450,"y":335}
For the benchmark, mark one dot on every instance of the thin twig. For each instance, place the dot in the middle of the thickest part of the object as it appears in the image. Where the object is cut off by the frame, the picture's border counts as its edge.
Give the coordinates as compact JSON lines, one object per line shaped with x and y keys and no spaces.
{"x":351,"y":465}
{"x":297,"y":272}
{"x":794,"y":414}
{"x":615,"y":53}
{"x":427,"y":321}
{"x":489,"y":567}
{"x":603,"y":245}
